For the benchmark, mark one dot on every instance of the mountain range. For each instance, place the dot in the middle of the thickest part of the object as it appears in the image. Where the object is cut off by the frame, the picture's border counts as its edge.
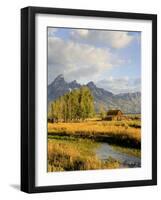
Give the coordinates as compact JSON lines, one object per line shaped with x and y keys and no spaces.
{"x":126,"y":102}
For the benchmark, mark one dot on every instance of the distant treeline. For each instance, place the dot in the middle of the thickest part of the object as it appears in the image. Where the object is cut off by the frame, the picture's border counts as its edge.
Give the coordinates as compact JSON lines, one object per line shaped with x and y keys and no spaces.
{"x":73,"y":106}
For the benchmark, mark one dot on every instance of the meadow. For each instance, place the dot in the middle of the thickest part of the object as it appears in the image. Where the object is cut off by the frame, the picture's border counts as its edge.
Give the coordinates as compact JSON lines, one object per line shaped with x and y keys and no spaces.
{"x":72,"y":145}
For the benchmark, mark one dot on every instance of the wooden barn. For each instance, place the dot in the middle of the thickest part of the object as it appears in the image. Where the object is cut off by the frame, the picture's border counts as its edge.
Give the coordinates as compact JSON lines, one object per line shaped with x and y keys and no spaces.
{"x":114,"y":115}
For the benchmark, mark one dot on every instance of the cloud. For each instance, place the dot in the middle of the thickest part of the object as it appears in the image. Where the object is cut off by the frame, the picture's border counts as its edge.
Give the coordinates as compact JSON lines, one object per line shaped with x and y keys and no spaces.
{"x":80,"y":32}
{"x":120,"y":85}
{"x":114,"y":39}
{"x":77,"y":61}
{"x":52,"y":31}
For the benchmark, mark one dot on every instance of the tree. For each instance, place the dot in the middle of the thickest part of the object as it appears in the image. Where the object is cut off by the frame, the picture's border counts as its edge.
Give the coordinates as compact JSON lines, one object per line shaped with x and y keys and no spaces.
{"x":102,"y":111}
{"x":87,"y":103}
{"x":75,"y":105}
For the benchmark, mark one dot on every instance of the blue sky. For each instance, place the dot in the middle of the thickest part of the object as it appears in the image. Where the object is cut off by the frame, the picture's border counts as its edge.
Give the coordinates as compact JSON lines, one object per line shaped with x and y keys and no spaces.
{"x":111,"y":59}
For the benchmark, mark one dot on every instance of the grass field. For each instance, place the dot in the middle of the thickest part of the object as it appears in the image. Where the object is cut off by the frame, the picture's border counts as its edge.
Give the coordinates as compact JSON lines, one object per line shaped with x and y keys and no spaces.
{"x":71,"y":146}
{"x":123,"y":133}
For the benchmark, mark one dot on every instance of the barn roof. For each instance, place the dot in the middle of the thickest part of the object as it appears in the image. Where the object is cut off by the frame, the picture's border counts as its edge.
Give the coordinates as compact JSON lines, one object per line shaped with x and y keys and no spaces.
{"x":113,"y":112}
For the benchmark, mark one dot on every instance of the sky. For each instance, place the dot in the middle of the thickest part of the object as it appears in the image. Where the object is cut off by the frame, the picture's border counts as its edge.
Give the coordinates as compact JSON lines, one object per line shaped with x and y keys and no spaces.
{"x":111,"y":59}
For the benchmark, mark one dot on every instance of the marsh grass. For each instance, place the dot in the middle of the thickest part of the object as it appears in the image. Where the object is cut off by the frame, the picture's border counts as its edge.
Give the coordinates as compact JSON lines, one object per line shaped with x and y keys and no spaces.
{"x":69,"y":155}
{"x":123,"y":133}
{"x":71,"y":146}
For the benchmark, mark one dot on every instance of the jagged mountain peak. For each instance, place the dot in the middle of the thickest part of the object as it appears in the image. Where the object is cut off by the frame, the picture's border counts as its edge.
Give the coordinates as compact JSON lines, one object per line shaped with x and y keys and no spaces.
{"x":127,"y":102}
{"x":91,"y":84}
{"x":60,"y":77}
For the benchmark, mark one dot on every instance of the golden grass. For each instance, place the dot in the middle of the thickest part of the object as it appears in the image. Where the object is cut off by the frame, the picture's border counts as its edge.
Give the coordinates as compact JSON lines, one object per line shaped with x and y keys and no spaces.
{"x":71,"y":146}
{"x":126,"y":123}
{"x":68,"y":156}
{"x":97,"y":128}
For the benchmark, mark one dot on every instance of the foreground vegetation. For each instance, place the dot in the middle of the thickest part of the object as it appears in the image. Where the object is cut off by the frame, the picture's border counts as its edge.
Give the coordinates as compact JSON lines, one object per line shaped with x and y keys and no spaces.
{"x":71,"y":146}
{"x":75,"y":154}
{"x":120,"y":133}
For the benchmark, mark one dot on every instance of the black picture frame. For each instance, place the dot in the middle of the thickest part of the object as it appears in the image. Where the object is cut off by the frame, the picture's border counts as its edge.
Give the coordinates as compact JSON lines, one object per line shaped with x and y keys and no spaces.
{"x":28,"y":98}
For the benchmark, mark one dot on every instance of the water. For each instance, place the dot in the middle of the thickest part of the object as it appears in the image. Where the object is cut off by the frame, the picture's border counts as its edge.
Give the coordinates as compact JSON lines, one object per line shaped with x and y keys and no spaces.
{"x":105,"y":151}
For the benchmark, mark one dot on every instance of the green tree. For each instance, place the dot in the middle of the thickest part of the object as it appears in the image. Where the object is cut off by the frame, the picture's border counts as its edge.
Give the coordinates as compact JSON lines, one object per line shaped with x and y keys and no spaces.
{"x":102,"y":111}
{"x":75,"y":105}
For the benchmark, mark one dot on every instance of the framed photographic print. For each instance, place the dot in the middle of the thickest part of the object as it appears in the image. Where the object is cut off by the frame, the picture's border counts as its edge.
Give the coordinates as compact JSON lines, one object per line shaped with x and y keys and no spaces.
{"x":88,"y":99}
